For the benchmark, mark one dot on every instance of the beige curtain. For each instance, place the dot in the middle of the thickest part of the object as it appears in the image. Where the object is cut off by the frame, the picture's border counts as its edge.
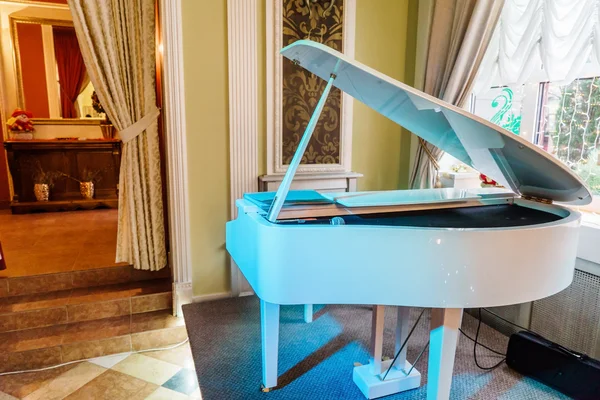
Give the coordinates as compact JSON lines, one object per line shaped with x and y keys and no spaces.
{"x":460,"y":33}
{"x":117,"y":39}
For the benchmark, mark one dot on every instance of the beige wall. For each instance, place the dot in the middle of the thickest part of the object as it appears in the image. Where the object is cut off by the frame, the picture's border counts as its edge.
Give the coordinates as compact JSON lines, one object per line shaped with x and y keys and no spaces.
{"x":205,"y":73}
{"x":384,"y":41}
{"x":381,"y":41}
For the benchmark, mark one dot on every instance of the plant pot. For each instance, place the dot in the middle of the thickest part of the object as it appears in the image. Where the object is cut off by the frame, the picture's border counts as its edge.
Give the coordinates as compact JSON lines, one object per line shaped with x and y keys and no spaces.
{"x":108,"y":131}
{"x":41,"y":191}
{"x":87,"y":190}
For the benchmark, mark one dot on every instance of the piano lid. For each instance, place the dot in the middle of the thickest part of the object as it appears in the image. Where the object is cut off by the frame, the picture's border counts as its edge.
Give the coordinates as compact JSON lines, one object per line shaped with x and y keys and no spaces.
{"x":505,"y":157}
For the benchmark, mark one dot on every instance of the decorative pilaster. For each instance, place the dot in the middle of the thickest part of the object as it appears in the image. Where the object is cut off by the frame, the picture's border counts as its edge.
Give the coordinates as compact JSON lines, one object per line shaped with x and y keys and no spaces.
{"x":242,"y":25}
{"x":176,"y":147}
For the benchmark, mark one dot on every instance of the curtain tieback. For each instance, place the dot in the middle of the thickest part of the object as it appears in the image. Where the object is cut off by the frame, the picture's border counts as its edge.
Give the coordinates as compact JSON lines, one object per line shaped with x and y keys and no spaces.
{"x":433,"y":160}
{"x":132,"y":131}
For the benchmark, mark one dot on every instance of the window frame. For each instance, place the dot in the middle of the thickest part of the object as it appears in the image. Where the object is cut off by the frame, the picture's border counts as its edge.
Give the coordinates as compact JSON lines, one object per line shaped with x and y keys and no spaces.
{"x":531,"y":111}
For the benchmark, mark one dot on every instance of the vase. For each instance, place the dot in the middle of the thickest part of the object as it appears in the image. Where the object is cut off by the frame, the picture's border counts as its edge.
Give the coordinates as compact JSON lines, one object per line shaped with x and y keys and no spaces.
{"x":41,"y":191}
{"x":108,"y":131}
{"x":87,"y":190}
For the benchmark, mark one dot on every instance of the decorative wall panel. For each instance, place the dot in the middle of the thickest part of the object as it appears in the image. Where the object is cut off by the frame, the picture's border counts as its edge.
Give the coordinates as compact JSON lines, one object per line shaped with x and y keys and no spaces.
{"x":321,"y":22}
{"x":293,"y":92}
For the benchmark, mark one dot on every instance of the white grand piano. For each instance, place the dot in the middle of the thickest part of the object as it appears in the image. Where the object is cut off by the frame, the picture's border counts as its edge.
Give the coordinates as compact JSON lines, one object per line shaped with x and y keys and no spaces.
{"x":443,"y":249}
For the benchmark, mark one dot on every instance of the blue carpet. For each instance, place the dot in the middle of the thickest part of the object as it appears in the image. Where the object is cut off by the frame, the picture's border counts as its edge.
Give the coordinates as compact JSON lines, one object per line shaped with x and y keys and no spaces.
{"x":316,"y":359}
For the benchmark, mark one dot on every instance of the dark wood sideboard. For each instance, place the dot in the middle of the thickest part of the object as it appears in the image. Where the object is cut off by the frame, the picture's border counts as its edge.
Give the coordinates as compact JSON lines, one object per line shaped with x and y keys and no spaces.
{"x":70,"y":157}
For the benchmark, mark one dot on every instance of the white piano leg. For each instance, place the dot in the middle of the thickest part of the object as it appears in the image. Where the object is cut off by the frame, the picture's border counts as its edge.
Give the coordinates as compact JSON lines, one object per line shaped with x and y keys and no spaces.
{"x":402,"y":329}
{"x":443,"y":336}
{"x":369,"y":378}
{"x":377,"y":323}
{"x":308,"y":313}
{"x":269,"y":330}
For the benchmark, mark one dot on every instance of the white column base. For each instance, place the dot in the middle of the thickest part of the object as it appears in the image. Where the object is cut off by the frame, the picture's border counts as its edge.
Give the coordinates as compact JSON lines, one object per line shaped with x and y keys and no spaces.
{"x":372,"y":386}
{"x":182,"y":294}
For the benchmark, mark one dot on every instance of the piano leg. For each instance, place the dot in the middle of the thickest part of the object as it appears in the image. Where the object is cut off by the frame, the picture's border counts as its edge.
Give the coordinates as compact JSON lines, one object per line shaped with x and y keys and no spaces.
{"x":308,"y":313}
{"x":269,"y":330}
{"x":369,"y":378}
{"x":443,"y":336}
{"x":377,"y":321}
{"x":401,"y":335}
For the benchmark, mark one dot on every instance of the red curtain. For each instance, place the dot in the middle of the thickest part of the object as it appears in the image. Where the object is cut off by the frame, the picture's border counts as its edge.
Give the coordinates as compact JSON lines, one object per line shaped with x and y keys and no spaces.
{"x":71,"y":68}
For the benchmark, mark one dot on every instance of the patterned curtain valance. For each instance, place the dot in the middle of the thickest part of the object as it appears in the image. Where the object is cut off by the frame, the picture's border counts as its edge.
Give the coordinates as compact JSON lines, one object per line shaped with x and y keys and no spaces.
{"x":560,"y":35}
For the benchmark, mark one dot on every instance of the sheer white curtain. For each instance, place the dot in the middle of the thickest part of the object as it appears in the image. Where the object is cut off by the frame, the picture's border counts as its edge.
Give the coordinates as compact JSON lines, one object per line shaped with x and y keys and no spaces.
{"x":560,"y":35}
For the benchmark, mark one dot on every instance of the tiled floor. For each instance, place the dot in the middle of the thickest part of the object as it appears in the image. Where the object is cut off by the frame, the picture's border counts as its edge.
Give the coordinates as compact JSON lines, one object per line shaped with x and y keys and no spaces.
{"x":44,"y":243}
{"x":167,"y":374}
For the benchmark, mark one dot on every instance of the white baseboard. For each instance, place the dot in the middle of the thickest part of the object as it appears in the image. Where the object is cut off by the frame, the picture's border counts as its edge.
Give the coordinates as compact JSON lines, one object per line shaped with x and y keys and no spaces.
{"x":211,"y":296}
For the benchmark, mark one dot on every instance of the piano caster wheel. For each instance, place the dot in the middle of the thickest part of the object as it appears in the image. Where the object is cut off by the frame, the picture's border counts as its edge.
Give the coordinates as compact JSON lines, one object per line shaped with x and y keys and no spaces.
{"x":265,"y":389}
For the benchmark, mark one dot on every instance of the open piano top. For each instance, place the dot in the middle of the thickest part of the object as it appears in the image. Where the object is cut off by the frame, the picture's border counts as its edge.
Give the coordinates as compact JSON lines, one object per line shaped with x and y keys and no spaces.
{"x":520,"y":167}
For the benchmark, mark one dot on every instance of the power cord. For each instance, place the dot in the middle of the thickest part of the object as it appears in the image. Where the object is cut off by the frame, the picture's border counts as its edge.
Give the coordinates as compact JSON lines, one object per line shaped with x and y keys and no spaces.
{"x":91,"y":358}
{"x":475,"y":348}
{"x":477,"y":343}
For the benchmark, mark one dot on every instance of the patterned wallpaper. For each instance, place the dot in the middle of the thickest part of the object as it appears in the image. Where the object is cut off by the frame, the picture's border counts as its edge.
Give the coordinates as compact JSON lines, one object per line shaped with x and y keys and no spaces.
{"x":322,"y":22}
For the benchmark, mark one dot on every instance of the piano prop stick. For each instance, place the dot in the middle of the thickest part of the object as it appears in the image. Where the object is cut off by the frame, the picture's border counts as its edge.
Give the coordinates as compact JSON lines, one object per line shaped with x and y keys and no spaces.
{"x":433,"y":248}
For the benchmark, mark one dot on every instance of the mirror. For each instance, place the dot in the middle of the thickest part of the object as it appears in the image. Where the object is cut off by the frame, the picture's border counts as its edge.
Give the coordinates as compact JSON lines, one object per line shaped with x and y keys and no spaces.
{"x":52,"y":82}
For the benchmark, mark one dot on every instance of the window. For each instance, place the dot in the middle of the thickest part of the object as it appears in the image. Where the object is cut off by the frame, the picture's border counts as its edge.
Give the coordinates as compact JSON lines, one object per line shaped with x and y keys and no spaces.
{"x":569,"y":126}
{"x":561,"y":118}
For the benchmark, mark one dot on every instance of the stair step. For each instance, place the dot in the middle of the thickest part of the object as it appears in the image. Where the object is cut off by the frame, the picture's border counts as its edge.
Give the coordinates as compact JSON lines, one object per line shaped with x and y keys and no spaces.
{"x":40,"y":347}
{"x":54,"y":282}
{"x":84,"y":304}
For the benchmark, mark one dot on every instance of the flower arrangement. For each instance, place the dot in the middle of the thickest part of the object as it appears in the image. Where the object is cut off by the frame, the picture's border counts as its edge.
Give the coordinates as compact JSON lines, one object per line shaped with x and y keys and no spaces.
{"x":88,"y":175}
{"x":487,"y":181}
{"x":39,"y":175}
{"x":20,"y":121}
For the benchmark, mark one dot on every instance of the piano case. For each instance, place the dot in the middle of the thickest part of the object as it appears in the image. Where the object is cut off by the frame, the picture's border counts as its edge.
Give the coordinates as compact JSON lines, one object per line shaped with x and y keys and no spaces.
{"x":571,"y":373}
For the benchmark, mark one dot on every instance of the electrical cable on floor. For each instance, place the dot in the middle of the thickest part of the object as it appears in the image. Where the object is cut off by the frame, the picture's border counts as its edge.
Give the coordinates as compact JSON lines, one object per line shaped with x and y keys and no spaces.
{"x":91,"y":358}
{"x":475,"y":349}
{"x":481,"y":344}
{"x":505,"y":320}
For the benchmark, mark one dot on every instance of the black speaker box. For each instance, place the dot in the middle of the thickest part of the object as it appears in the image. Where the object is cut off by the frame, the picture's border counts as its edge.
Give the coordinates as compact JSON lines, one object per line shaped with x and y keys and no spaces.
{"x":571,"y":373}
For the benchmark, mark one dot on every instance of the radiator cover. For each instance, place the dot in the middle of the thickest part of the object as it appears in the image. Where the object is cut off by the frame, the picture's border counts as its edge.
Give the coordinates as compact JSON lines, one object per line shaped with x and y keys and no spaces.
{"x":572,"y":317}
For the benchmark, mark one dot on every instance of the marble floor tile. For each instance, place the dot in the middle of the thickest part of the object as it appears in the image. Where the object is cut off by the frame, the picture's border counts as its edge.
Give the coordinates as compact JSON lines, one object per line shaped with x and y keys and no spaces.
{"x":38,"y":284}
{"x":96,"y":348}
{"x":114,"y":385}
{"x":154,"y":320}
{"x":109,"y":361}
{"x":147,"y":368}
{"x":96,"y":330}
{"x":185,"y":381}
{"x":67,"y":383}
{"x":94,"y":311}
{"x":181,"y":356}
{"x":196,"y":395}
{"x":152,"y":302}
{"x":163,"y":393}
{"x":35,"y":301}
{"x":20,"y":385}
{"x":31,"y":339}
{"x":4,"y":396}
